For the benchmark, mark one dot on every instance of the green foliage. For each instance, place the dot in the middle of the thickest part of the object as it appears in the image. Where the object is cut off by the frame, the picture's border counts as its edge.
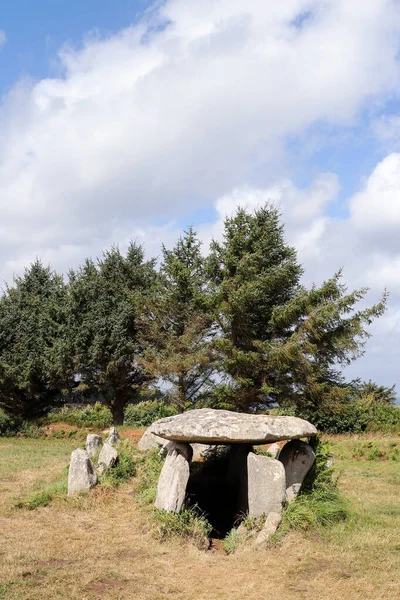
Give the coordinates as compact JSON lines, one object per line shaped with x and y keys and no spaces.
{"x":93,"y":415}
{"x":107,"y":316}
{"x":232,"y":541}
{"x":179,"y":349}
{"x":280,"y":342}
{"x":32,"y":325}
{"x":146,"y":412}
{"x":124,"y":469}
{"x":46,"y":494}
{"x":186,"y":525}
{"x":8,"y":425}
{"x":376,"y":451}
{"x":149,"y":467}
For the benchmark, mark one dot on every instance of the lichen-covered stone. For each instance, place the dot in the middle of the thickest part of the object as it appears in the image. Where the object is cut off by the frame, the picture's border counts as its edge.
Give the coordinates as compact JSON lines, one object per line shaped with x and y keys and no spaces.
{"x":149,"y":440}
{"x":171,"y":488}
{"x":297,"y":458}
{"x":266,"y":485}
{"x":93,"y":444}
{"x":271,"y":524}
{"x":209,"y":426}
{"x":108,"y":456}
{"x":81,"y":474}
{"x":113,"y":437}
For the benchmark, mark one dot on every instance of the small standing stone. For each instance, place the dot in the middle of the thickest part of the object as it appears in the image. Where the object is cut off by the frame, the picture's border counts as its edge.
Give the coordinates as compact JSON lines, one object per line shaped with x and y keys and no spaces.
{"x":266,"y":485}
{"x":108,"y":457}
{"x":113,"y":437}
{"x":297,"y":458}
{"x":274,"y":450}
{"x":81,"y":474}
{"x":93,"y":444}
{"x":271,"y":525}
{"x":171,"y":488}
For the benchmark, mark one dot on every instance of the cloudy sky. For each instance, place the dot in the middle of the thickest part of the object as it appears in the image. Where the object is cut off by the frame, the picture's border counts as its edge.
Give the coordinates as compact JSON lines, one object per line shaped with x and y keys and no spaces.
{"x":132,"y":119}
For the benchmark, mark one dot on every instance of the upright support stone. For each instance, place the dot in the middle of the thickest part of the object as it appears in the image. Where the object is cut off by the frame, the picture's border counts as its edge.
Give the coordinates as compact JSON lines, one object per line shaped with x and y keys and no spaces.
{"x":93,"y":444}
{"x":81,"y":474}
{"x":297,"y":458}
{"x":171,"y":488}
{"x":274,"y":450}
{"x":113,"y":437}
{"x":266,"y":485}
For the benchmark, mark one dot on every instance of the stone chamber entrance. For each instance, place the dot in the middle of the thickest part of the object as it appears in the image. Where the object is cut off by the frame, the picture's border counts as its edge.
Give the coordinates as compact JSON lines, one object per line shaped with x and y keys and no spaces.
{"x":217,"y":487}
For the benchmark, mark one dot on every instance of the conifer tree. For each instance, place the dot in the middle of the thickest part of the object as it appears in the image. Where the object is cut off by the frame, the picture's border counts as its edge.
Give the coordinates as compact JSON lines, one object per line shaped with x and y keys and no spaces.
{"x":107,"y":315}
{"x":180,"y":351}
{"x":279,"y":342}
{"x":32,"y":327}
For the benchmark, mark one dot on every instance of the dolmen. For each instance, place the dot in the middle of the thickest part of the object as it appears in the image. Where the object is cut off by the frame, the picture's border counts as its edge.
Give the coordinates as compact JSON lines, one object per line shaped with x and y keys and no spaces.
{"x":265,"y":481}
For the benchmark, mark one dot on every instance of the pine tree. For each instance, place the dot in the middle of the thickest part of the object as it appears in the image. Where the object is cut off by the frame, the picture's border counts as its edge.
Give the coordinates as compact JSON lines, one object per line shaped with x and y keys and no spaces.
{"x":32,"y":327}
{"x":279,"y":342}
{"x":180,"y":351}
{"x":107,"y":315}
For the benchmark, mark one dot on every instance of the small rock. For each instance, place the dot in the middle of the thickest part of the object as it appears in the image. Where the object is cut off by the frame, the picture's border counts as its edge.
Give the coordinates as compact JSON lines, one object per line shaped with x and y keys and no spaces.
{"x":274,"y":450}
{"x":113,"y":437}
{"x":200,"y":451}
{"x":108,"y":457}
{"x":330,"y":462}
{"x":81,"y":474}
{"x":297,"y":458}
{"x":93,"y":443}
{"x":271,"y":525}
{"x":171,"y":488}
{"x":266,"y":485}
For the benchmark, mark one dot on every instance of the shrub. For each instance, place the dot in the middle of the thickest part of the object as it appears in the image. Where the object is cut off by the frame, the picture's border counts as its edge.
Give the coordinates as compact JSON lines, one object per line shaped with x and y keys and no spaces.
{"x":95,"y":415}
{"x":8,"y":425}
{"x":146,"y":412}
{"x":148,"y":472}
{"x":186,"y":525}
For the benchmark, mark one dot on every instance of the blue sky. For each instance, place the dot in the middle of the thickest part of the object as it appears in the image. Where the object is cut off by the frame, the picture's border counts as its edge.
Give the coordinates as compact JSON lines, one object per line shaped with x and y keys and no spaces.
{"x":133,"y":119}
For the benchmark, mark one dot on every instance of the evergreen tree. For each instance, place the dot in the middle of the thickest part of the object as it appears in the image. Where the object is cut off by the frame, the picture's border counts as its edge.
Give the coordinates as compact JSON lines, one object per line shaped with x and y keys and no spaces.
{"x":107,"y":315}
{"x":379,"y":394}
{"x":279,"y":342}
{"x":32,"y":326}
{"x":180,"y":351}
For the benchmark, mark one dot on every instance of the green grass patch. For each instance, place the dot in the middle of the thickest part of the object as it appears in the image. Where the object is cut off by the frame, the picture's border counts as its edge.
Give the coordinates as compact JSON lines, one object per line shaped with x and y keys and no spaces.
{"x":125,"y":467}
{"x":187,"y":525}
{"x":149,"y":467}
{"x":45,"y":494}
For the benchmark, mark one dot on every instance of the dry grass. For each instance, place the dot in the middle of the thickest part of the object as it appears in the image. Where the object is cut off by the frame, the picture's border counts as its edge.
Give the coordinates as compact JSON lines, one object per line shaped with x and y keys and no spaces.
{"x":100,"y":546}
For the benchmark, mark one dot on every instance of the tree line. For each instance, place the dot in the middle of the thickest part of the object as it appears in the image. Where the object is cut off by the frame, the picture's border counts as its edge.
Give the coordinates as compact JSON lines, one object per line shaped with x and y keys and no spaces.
{"x":234,"y":329}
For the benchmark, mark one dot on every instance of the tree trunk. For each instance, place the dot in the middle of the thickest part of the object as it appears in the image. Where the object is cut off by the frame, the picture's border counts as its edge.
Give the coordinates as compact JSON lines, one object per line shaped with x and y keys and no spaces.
{"x":117,"y":410}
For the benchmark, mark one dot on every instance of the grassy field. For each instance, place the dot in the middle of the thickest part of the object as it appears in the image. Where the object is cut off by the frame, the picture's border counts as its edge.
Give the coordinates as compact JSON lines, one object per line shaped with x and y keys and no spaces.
{"x":100,"y":546}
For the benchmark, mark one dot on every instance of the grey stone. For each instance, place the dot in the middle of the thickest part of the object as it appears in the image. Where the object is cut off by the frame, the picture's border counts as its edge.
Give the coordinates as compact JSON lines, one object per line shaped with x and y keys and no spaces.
{"x":108,"y":456}
{"x":171,"y":488}
{"x":330,"y":463}
{"x":271,"y":525}
{"x":81,"y":474}
{"x":200,"y":451}
{"x":274,"y":450}
{"x":297,"y":458}
{"x":266,"y":485}
{"x":149,"y":440}
{"x":113,"y":437}
{"x":93,"y":444}
{"x":209,"y":426}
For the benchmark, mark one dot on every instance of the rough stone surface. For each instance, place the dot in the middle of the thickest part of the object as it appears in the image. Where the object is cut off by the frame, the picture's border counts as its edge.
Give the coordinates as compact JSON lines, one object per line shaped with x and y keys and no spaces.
{"x":81,"y":474}
{"x":93,"y":443}
{"x":113,"y":437}
{"x":266,"y":485}
{"x":297,"y":458}
{"x":108,"y":456}
{"x":209,"y":426}
{"x":271,"y":525}
{"x":274,"y":450}
{"x":200,"y":451}
{"x":171,"y":488}
{"x":149,"y":440}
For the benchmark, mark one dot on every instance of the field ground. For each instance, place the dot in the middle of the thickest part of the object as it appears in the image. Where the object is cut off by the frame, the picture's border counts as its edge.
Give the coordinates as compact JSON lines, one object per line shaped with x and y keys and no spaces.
{"x":100,"y":546}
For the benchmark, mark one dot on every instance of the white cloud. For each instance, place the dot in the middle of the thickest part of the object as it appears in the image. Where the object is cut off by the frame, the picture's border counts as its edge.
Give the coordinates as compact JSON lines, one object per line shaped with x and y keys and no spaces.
{"x":3,"y":38}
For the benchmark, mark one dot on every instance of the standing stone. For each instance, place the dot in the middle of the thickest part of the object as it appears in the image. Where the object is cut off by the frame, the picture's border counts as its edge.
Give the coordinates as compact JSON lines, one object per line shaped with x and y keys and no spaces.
{"x":81,"y":474}
{"x":108,"y":457}
{"x":297,"y":458}
{"x":113,"y":437}
{"x":266,"y":485}
{"x":150,"y":440}
{"x":93,"y":444}
{"x":274,"y":450}
{"x":171,"y":488}
{"x":271,"y":525}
